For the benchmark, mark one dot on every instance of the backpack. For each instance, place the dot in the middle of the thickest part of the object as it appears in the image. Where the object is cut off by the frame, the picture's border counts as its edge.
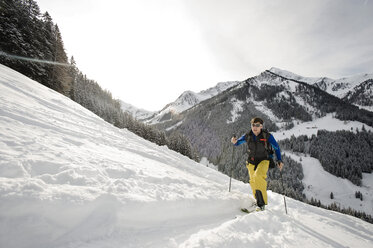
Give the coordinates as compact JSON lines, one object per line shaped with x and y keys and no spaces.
{"x":269,"y":149}
{"x":267,"y":146}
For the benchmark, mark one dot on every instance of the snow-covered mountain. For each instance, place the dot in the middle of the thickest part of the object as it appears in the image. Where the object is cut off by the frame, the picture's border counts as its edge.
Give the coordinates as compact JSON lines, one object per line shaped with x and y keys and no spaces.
{"x":290,"y":108}
{"x":282,"y":102}
{"x":362,"y":95}
{"x":187,"y":100}
{"x":137,"y":113}
{"x":356,"y":89}
{"x":69,"y":179}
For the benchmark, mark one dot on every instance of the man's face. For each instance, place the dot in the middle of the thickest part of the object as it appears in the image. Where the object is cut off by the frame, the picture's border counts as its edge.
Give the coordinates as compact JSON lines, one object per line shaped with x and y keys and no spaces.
{"x":256,"y":127}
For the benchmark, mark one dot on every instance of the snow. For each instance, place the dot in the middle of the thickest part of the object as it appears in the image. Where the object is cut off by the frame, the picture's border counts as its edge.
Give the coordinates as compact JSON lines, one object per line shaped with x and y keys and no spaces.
{"x":174,"y":126}
{"x":327,"y":122}
{"x":310,"y":109}
{"x":301,"y":228}
{"x":338,"y":87}
{"x":259,"y":105}
{"x":69,"y":179}
{"x":137,"y":113}
{"x":291,"y":75}
{"x":207,"y":163}
{"x":369,"y":108}
{"x":349,"y":83}
{"x":319,"y":184}
{"x":289,"y":85}
{"x":368,"y":180}
{"x":236,"y":110}
{"x":189,"y":99}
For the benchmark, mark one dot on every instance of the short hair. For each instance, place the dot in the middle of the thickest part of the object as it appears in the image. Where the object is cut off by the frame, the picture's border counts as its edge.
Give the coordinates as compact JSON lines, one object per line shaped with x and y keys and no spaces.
{"x":256,"y":120}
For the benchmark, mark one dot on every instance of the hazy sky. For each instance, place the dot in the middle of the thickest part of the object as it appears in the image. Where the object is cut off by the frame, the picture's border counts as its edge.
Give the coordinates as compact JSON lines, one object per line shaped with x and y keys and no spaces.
{"x":147,"y":52}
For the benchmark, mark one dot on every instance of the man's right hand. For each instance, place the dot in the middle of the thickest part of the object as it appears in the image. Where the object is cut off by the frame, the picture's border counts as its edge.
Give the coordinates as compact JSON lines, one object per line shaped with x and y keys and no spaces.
{"x":234,"y":140}
{"x":280,"y":164}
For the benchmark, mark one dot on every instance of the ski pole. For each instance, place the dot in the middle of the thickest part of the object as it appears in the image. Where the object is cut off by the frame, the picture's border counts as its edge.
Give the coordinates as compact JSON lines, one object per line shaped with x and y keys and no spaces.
{"x":282,"y":183}
{"x":230,"y":173}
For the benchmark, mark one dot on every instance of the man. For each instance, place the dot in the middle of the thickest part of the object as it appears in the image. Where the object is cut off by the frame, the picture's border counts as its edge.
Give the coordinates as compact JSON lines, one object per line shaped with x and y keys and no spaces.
{"x":259,"y":142}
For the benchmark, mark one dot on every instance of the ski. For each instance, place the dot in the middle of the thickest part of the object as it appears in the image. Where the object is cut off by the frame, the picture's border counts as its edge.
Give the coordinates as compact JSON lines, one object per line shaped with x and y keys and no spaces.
{"x":245,"y":210}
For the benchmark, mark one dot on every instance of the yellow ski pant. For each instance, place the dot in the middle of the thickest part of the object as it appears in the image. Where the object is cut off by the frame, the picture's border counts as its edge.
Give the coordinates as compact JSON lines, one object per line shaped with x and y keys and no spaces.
{"x":258,"y":178}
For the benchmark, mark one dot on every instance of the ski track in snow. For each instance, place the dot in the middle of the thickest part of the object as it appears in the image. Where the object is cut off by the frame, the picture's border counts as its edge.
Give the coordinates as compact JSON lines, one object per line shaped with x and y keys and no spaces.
{"x":69,"y":179}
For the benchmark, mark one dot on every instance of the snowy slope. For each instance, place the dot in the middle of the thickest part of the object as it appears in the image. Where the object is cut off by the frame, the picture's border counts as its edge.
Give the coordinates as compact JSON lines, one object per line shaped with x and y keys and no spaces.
{"x":359,"y":86}
{"x":69,"y":179}
{"x":327,"y":122}
{"x":319,"y":183}
{"x":289,"y":93}
{"x":341,"y":87}
{"x":338,"y":87}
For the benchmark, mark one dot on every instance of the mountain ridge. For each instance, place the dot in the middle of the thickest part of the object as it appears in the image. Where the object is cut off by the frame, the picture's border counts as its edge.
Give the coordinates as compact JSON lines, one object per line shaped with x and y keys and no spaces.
{"x":187,"y":100}
{"x":357,"y":90}
{"x":342,"y":88}
{"x":135,"y":112}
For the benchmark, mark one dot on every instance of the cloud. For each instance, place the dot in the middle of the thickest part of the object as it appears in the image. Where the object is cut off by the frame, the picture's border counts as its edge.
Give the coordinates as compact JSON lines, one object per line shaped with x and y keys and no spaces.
{"x":322,"y":38}
{"x":148,"y":52}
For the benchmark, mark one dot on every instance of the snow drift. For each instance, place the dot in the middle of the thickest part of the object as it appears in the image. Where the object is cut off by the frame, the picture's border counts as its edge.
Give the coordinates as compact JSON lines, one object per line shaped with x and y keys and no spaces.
{"x":69,"y":179}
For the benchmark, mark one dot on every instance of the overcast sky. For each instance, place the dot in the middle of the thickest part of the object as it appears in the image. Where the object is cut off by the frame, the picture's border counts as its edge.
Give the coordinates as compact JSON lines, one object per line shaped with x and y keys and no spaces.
{"x":148,"y":52}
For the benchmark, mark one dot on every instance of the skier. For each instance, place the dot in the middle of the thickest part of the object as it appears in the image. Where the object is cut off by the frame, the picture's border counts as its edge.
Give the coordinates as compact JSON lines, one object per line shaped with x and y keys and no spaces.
{"x":259,"y":142}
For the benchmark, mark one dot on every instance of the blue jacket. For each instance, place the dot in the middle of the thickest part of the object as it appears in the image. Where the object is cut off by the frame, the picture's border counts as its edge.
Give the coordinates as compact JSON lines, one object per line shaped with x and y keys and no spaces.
{"x":271,"y":140}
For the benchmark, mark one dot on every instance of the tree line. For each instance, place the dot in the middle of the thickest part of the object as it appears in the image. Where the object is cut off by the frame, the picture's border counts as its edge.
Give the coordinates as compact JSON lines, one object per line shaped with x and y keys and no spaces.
{"x":27,"y":33}
{"x":334,"y":207}
{"x":342,"y":153}
{"x":31,"y":44}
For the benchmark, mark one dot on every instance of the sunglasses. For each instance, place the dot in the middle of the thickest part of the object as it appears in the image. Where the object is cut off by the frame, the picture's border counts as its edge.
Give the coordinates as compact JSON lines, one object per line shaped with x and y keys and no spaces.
{"x":256,"y":125}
